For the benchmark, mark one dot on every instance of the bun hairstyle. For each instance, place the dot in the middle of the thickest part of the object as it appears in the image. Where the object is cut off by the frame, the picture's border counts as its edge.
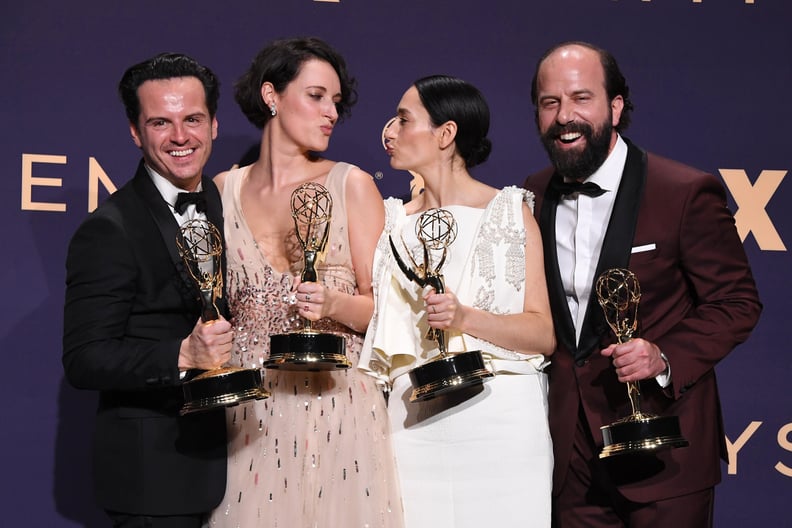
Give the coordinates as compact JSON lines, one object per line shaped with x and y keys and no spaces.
{"x":448,"y":98}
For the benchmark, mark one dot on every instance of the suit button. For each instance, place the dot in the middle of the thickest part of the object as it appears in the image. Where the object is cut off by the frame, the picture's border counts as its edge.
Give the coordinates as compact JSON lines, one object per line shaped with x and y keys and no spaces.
{"x":581,"y":362}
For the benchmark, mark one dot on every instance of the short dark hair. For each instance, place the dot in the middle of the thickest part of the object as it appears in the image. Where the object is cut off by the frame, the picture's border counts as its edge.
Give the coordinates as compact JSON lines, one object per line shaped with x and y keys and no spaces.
{"x":448,"y":98}
{"x":166,"y":66}
{"x":279,"y":63}
{"x":615,"y":83}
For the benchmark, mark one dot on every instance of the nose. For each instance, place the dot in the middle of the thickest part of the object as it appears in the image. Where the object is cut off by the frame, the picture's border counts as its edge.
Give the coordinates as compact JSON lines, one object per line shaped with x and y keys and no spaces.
{"x":178,"y":134}
{"x":388,"y":131}
{"x":566,"y":112}
{"x":331,"y":112}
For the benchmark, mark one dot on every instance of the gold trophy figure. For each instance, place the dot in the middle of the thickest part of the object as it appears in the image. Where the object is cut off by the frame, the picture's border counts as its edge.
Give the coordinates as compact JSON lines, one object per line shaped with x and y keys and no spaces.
{"x":619,"y":293}
{"x":201,"y":248}
{"x":312,"y":207}
{"x":436,"y":230}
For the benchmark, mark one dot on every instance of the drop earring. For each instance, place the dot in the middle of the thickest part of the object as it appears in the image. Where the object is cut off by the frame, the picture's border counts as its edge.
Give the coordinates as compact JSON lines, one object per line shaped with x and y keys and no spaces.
{"x":272,"y":109}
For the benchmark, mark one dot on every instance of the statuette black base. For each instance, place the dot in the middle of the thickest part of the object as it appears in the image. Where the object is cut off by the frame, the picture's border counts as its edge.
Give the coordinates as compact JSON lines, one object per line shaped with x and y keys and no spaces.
{"x":222,"y":387}
{"x":448,"y":373}
{"x":641,"y":433}
{"x":311,"y":351}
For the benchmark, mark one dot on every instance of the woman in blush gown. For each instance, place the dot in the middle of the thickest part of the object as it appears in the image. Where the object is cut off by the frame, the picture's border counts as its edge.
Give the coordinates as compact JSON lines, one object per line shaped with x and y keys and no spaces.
{"x":480,"y":455}
{"x":317,"y":452}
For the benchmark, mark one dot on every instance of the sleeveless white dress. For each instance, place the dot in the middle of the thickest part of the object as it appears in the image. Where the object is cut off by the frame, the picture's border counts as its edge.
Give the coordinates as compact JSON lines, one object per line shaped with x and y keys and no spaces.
{"x":317,"y":453}
{"x":479,"y":457}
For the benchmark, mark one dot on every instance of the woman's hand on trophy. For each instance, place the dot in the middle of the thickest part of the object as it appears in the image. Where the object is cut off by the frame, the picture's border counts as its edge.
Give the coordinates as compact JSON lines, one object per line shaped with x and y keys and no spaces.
{"x":207,"y":347}
{"x":313,"y":300}
{"x":443,"y":310}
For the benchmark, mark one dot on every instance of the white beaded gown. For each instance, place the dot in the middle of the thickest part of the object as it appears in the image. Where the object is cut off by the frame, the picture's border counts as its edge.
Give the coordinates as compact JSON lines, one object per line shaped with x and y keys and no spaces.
{"x":479,"y":457}
{"x":317,"y":453}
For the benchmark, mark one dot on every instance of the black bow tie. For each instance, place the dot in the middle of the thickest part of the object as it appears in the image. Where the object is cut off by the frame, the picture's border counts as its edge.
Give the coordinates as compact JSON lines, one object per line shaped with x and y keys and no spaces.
{"x":588,"y":188}
{"x":183,"y":199}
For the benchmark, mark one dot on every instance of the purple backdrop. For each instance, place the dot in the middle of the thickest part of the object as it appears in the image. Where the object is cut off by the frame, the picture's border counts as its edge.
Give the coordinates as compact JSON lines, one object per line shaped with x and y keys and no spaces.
{"x":709,"y":79}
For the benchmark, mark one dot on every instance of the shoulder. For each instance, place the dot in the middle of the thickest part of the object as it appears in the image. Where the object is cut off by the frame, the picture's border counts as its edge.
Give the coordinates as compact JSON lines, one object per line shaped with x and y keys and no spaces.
{"x":538,"y":181}
{"x":666,"y":172}
{"x":228,"y":176}
{"x":394,"y":211}
{"x":516,"y":196}
{"x":352,"y":173}
{"x":358,"y":183}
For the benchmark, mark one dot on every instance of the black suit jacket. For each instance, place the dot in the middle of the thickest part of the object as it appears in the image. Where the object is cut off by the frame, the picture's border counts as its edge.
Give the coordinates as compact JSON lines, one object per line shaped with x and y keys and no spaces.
{"x":698,"y":301}
{"x":129,"y":304}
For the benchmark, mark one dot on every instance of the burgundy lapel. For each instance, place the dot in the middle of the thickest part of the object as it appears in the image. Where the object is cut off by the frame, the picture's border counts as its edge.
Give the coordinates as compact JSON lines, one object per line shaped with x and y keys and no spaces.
{"x":617,"y":244}
{"x":562,"y":319}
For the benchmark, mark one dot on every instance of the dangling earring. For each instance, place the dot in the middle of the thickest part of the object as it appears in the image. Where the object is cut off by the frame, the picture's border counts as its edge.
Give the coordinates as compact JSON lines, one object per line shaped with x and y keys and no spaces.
{"x":272,"y":109}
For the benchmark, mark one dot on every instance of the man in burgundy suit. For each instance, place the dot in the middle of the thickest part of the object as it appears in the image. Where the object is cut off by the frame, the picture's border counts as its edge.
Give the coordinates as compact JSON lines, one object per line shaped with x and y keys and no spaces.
{"x":669,"y":224}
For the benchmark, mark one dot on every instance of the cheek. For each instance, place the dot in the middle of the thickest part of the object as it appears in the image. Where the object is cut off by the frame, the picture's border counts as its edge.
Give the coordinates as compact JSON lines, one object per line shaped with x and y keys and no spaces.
{"x":544,"y":121}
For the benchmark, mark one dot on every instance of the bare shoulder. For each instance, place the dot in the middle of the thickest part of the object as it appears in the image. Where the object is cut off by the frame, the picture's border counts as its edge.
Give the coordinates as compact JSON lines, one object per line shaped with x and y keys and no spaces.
{"x":361,"y":184}
{"x":357,"y":174}
{"x":219,"y":180}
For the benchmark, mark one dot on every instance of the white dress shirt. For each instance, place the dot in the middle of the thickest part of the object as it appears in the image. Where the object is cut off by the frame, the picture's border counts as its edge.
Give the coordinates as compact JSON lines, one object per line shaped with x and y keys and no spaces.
{"x":581,"y":222}
{"x":169,"y":192}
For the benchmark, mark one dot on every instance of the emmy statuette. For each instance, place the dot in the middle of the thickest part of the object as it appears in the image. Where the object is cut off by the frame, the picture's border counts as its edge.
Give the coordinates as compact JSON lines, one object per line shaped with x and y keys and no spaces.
{"x":618,"y":293}
{"x":436,"y":230}
{"x":200,"y":246}
{"x":307,"y":349}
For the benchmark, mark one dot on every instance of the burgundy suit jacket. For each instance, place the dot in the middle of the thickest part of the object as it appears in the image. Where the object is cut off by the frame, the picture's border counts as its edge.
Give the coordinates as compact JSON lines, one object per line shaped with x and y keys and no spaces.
{"x":698,"y":302}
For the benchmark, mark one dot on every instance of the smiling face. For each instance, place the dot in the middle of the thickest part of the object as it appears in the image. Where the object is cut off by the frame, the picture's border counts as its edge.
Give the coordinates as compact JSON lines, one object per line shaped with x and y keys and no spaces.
{"x":175,"y":130}
{"x":306,"y":109}
{"x":574,"y":116}
{"x":410,"y":139}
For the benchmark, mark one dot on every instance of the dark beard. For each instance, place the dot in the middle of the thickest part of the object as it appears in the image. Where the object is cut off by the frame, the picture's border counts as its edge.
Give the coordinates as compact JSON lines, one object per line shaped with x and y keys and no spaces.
{"x":575,"y":164}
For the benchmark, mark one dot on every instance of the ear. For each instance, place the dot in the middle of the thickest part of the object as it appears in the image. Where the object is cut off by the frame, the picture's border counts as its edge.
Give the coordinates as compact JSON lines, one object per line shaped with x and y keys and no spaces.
{"x":617,"y":105}
{"x":135,"y":135}
{"x":214,"y":128}
{"x":446,"y":134}
{"x":268,"y":93}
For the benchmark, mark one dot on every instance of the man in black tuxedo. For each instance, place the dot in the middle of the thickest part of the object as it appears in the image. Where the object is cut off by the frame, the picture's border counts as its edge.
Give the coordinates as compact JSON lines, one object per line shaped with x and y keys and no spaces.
{"x":132,"y":327}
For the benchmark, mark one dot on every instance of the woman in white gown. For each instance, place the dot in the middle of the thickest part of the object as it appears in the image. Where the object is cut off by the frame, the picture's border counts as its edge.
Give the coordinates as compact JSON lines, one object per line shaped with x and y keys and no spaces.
{"x":481,"y":455}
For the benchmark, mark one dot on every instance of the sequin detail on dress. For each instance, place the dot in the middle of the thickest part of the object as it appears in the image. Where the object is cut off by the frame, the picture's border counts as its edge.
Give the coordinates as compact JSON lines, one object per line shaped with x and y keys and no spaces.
{"x":317,"y":452}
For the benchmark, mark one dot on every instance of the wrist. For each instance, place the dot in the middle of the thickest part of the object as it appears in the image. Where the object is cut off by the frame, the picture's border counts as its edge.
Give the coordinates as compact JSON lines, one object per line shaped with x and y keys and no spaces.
{"x":667,"y":366}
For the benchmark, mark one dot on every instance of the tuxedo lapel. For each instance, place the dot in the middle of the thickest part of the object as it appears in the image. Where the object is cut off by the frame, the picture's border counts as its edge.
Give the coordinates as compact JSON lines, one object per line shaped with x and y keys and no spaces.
{"x":617,"y":244}
{"x":214,"y":214}
{"x":562,"y":319}
{"x":168,"y":228}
